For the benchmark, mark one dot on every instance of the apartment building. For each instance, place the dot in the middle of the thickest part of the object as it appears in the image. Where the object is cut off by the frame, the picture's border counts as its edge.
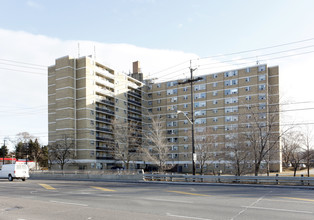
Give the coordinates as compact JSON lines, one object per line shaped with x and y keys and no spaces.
{"x":231,"y":109}
{"x":85,"y":100}
{"x":90,"y":104}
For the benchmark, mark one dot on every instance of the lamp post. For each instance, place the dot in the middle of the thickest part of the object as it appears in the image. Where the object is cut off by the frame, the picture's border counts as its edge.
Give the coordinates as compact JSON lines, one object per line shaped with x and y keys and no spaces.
{"x":193,"y":147}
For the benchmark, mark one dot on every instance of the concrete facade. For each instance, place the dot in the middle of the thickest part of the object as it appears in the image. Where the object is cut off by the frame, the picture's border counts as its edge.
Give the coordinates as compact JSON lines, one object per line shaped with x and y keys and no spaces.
{"x":86,"y":99}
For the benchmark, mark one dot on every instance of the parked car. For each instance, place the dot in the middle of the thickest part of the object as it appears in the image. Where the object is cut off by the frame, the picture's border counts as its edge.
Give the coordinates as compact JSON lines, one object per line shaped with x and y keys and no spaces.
{"x":14,"y":171}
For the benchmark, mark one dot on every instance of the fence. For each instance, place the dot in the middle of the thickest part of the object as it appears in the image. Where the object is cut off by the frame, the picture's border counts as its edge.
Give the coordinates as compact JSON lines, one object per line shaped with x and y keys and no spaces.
{"x":272,"y":180}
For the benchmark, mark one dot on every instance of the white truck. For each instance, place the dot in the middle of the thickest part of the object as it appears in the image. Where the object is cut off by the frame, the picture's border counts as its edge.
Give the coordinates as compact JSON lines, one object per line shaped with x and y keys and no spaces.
{"x":14,"y":171}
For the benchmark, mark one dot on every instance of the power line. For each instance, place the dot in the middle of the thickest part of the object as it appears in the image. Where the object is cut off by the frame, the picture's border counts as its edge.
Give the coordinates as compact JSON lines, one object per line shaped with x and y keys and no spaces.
{"x":14,"y":61}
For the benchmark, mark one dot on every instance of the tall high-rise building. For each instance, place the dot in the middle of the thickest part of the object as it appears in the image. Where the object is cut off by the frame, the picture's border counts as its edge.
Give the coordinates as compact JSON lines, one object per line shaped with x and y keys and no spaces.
{"x":106,"y":114}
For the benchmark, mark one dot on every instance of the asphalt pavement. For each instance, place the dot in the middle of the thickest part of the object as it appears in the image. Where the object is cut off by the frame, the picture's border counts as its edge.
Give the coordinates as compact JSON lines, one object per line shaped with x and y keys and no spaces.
{"x":61,"y":199}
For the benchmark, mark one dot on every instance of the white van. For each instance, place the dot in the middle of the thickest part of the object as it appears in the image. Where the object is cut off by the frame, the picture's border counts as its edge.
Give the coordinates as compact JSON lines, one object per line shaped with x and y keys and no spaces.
{"x":14,"y":171}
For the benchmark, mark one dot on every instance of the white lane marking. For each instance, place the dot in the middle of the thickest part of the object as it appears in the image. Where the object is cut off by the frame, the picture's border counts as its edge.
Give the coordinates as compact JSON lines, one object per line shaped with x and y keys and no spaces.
{"x":252,"y":204}
{"x":69,"y":203}
{"x":283,"y":210}
{"x":188,"y":217}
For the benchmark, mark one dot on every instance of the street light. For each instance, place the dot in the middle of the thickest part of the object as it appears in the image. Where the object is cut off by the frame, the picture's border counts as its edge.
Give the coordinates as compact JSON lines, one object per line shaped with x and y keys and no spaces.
{"x":193,"y":147}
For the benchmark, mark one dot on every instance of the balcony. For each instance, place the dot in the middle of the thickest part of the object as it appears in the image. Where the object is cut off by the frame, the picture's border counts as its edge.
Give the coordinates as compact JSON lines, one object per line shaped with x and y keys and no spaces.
{"x":105,"y":139}
{"x":106,"y":101}
{"x":105,"y":158}
{"x":104,"y":82}
{"x":105,"y":110}
{"x":104,"y":91}
{"x":134,"y":110}
{"x":134,"y":94}
{"x":103,"y":119}
{"x":104,"y":129}
{"x":135,"y":102}
{"x":104,"y":72}
{"x":134,"y":118}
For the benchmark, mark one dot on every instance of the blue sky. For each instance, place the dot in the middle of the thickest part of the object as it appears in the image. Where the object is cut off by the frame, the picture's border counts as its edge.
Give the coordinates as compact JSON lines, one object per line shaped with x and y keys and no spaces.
{"x":204,"y":27}
{"x":159,"y":33}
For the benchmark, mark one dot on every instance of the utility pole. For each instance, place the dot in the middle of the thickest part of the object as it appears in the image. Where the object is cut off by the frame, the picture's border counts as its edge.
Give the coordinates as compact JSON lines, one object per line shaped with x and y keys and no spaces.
{"x":191,"y":80}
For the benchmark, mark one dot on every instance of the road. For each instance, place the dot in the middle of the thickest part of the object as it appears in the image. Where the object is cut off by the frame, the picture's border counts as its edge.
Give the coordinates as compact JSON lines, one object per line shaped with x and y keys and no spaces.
{"x":57,"y":199}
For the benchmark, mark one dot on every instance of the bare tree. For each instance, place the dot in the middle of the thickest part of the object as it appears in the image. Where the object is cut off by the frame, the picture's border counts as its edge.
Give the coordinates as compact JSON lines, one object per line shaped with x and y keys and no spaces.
{"x":205,"y":149}
{"x":238,"y":153}
{"x":157,"y":150}
{"x":292,"y":149}
{"x":127,"y":139}
{"x":61,"y":152}
{"x":263,"y":134}
{"x":308,"y":153}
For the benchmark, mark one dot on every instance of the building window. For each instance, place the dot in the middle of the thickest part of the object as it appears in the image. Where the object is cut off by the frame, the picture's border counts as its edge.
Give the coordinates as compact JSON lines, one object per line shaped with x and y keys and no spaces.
{"x":215,"y":119}
{"x":231,"y":100}
{"x":171,"y":108}
{"x":261,"y":77}
{"x":215,"y":76}
{"x":150,"y":103}
{"x":248,"y":69}
{"x":215,"y":102}
{"x":262,"y":87}
{"x":215,"y":84}
{"x":262,"y":96}
{"x":185,"y":105}
{"x":173,"y":99}
{"x":199,"y":87}
{"x":92,"y":123}
{"x":159,"y":93}
{"x":215,"y":111}
{"x":172,"y":91}
{"x":262,"y":106}
{"x":231,"y":91}
{"x":92,"y":112}
{"x":231,"y":73}
{"x":173,"y":83}
{"x":247,"y":79}
{"x":158,"y":101}
{"x":185,"y":89}
{"x":200,"y":121}
{"x":215,"y":93}
{"x":200,"y":112}
{"x":158,"y":85}
{"x":248,"y":98}
{"x":199,"y":104}
{"x":200,"y":95}
{"x":261,"y":68}
{"x":231,"y":82}
{"x":248,"y":88}
{"x":158,"y":109}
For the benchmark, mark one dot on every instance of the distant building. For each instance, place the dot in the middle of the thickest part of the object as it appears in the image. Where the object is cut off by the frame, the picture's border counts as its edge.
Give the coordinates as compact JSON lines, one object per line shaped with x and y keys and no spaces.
{"x":86,"y":100}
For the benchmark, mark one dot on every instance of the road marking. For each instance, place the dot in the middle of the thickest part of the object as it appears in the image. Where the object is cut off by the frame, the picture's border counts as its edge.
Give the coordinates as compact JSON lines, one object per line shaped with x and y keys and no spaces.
{"x":251,"y":205}
{"x":308,"y":200}
{"x":273,"y":209}
{"x":46,"y":186}
{"x":69,"y":203}
{"x":103,"y":189}
{"x":187,"y":193}
{"x":188,"y":217}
